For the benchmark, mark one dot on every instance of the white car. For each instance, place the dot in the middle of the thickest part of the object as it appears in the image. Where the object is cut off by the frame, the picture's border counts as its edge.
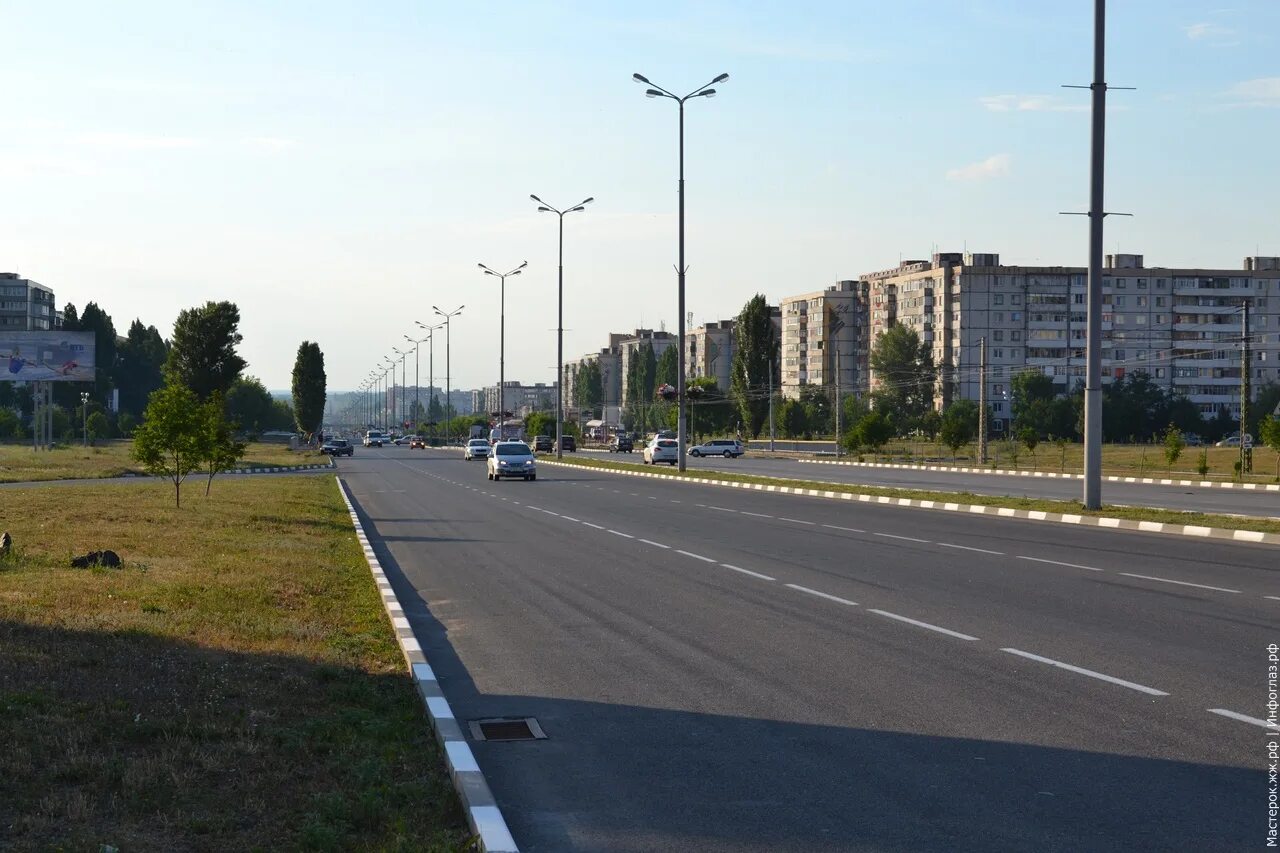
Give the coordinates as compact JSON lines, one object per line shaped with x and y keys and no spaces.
{"x":661,"y":450}
{"x":477,"y":448}
{"x":729,"y":448}
{"x":375,"y":438}
{"x":512,"y":459}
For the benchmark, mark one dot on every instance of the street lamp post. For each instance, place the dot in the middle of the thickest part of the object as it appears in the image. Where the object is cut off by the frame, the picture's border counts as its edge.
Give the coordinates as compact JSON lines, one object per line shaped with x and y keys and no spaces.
{"x":431,"y":360}
{"x":84,"y":405}
{"x":448,"y":378}
{"x":502,"y":341}
{"x":389,"y":364}
{"x":417,"y":382}
{"x":402,"y":406}
{"x":704,"y":91}
{"x":543,"y":207}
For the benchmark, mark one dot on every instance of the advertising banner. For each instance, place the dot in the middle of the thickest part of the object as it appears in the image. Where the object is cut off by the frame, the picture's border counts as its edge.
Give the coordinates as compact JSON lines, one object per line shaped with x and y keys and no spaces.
{"x":46,"y":356}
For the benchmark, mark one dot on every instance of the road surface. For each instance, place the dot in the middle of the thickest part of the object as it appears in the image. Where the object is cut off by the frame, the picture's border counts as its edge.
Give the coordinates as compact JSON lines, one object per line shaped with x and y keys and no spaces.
{"x":718,"y":669}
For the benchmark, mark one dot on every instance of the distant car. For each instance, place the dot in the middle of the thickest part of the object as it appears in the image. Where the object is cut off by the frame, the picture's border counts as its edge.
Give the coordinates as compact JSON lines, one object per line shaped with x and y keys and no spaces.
{"x":569,"y":443}
{"x":661,"y":450}
{"x":729,"y":448}
{"x":512,"y":459}
{"x":1229,"y":441}
{"x":543,"y":444}
{"x":416,"y":442}
{"x":403,"y":440}
{"x":621,"y":443}
{"x":375,"y":438}
{"x":338,"y":447}
{"x":1190,"y":439}
{"x":477,"y":448}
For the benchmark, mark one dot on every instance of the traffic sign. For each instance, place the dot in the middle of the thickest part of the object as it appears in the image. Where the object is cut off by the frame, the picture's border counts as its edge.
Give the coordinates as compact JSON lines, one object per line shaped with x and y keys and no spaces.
{"x":1247,"y":441}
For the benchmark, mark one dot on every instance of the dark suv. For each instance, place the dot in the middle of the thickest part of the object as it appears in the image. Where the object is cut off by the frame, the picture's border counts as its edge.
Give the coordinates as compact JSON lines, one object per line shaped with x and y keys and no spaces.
{"x":338,"y":447}
{"x":542,"y":444}
{"x":567,"y":442}
{"x":621,"y":444}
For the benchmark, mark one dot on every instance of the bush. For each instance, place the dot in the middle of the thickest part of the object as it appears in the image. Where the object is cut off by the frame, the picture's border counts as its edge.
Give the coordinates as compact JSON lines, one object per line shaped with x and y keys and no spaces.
{"x":1203,"y":465}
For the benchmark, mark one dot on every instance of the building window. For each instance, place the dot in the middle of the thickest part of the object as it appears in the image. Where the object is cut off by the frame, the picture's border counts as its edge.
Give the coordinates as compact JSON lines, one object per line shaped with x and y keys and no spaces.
{"x":1160,"y":372}
{"x":1015,"y":335}
{"x":998,"y":299}
{"x":1016,"y":299}
{"x":999,"y":316}
{"x":1141,"y":319}
{"x":1142,"y":284}
{"x":998,"y":334}
{"x":1118,"y":301}
{"x":1015,"y":315}
{"x":1120,"y":284}
{"x":1161,"y":301}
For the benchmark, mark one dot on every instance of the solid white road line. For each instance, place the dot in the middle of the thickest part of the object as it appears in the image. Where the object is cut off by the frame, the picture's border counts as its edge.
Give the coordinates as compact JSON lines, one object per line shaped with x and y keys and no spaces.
{"x":967,"y":548}
{"x":1059,"y":563}
{"x":925,"y":625}
{"x":893,"y":536}
{"x":1089,"y":672}
{"x":822,"y":594}
{"x":1179,"y":583}
{"x":748,"y":572}
{"x":695,"y":556}
{"x":1223,"y":712}
{"x":846,"y":529}
{"x":655,"y":544}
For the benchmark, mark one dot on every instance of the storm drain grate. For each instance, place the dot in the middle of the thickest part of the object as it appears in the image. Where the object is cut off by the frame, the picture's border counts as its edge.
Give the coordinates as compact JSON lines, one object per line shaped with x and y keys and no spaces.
{"x":507,"y":728}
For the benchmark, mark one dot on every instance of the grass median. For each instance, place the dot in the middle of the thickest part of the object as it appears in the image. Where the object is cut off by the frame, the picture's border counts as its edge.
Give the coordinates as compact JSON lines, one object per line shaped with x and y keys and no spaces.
{"x":234,"y":686}
{"x":1168,"y":516}
{"x":20,"y":464}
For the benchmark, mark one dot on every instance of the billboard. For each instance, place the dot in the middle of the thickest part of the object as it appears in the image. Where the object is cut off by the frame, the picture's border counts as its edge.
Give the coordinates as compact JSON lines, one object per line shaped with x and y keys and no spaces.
{"x":46,"y":356}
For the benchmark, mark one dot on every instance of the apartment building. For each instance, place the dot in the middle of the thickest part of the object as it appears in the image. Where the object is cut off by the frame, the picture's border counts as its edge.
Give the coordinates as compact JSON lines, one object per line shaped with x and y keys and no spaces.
{"x":26,"y":305}
{"x":1180,"y":326}
{"x":824,"y":332}
{"x":630,"y":346}
{"x":520,"y":399}
{"x":709,"y":352}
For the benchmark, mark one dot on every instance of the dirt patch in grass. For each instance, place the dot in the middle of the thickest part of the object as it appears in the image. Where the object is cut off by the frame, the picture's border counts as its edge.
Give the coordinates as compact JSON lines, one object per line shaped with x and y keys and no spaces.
{"x":1169,"y":516}
{"x":20,"y":464}
{"x":235,"y":686}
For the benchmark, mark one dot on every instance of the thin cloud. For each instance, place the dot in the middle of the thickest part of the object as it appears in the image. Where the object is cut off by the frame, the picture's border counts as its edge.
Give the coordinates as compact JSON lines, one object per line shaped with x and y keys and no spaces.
{"x":995,"y":166}
{"x":1259,"y":92}
{"x":269,"y":143}
{"x":1205,"y":30}
{"x":135,"y":141}
{"x":1029,"y":103}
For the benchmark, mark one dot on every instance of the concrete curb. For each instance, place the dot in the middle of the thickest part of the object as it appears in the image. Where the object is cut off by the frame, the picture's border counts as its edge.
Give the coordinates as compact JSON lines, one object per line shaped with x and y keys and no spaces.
{"x":1206,"y":484}
{"x":284,"y":469}
{"x":1191,"y":530}
{"x":483,"y":814}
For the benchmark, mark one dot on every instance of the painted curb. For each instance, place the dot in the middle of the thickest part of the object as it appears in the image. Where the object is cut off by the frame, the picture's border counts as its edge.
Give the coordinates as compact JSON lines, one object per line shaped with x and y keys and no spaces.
{"x":483,"y":814}
{"x":283,"y":470}
{"x":1204,"y":484}
{"x":1195,"y":531}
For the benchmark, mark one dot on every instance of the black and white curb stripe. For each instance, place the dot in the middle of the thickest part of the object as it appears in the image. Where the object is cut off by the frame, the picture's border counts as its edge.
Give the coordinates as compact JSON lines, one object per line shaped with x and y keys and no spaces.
{"x":953,"y":469}
{"x":482,"y":809}
{"x":977,"y":509}
{"x":283,"y":469}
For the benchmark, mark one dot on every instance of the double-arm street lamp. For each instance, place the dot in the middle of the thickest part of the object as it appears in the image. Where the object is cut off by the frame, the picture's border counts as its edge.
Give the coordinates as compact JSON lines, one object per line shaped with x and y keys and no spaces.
{"x":417,"y":382}
{"x":448,"y":378}
{"x":656,"y":91}
{"x":431,"y":359}
{"x":402,"y":406}
{"x":502,"y":341}
{"x":543,"y":207}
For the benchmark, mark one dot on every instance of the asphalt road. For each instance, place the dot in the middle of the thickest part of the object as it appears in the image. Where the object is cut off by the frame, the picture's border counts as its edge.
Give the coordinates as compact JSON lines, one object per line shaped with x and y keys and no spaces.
{"x":719,"y":669}
{"x":1194,"y":498}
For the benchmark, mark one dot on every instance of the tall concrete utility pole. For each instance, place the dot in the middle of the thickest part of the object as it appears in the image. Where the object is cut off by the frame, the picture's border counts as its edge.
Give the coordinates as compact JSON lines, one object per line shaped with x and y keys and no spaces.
{"x":1093,"y":349}
{"x":772,"y":435}
{"x":982,"y":400}
{"x":839,"y":402}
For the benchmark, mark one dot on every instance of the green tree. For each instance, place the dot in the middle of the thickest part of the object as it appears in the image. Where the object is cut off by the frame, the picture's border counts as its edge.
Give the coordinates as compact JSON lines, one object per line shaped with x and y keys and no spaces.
{"x":959,"y":424}
{"x":11,"y":425}
{"x":755,"y":356}
{"x":1173,"y":444}
{"x":905,"y":375}
{"x":97,"y":426}
{"x":818,"y":414}
{"x":1030,"y":439}
{"x":667,"y":367}
{"x":308,"y":387}
{"x":874,"y":430}
{"x":791,"y":416}
{"x":1032,"y":402}
{"x":202,"y":355}
{"x":126,"y":424}
{"x":171,"y":441}
{"x":221,"y":451}
{"x":250,"y":405}
{"x":1269,"y":434}
{"x":140,"y":362}
{"x":1266,"y":402}
{"x":94,"y":319}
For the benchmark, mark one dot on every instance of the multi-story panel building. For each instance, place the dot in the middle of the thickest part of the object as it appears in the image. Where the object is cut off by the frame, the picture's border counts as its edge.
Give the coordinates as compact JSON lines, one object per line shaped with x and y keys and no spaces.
{"x":823,"y":332}
{"x":520,"y":399}
{"x":1180,"y":326}
{"x":709,"y":352}
{"x":26,"y":305}
{"x":628,"y":348}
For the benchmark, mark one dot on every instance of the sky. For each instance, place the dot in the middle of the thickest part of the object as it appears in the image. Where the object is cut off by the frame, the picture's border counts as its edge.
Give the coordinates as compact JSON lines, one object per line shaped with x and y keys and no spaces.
{"x":338,"y":169}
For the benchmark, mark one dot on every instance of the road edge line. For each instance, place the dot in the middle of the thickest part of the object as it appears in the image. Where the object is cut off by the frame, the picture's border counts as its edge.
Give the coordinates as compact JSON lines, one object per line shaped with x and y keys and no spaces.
{"x":483,"y":814}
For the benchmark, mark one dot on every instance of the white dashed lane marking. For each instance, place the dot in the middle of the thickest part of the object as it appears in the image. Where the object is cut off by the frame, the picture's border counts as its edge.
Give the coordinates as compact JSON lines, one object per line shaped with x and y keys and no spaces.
{"x":1179,"y":583}
{"x":1223,"y":712}
{"x":1059,"y":563}
{"x":895,"y":536}
{"x":924,"y":625}
{"x":827,"y":596}
{"x":967,"y":548}
{"x":1111,"y":679}
{"x":748,"y":572}
{"x":655,"y":544}
{"x":695,"y":556}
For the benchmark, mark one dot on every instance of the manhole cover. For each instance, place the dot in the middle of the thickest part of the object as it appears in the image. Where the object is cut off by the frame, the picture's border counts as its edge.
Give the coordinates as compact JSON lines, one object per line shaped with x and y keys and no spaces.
{"x":507,"y":728}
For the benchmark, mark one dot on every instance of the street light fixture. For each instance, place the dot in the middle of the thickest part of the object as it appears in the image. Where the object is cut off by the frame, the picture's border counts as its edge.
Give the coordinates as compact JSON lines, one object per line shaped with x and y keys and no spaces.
{"x":704,"y":91}
{"x":502,"y":341}
{"x":448,"y":378}
{"x":84,"y":404}
{"x":401,"y":406}
{"x":431,"y":360}
{"x":543,"y":207}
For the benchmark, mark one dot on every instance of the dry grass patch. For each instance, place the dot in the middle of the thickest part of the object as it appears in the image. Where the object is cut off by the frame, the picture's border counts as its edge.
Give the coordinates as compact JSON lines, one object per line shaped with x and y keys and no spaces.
{"x":20,"y":464}
{"x":235,"y":686}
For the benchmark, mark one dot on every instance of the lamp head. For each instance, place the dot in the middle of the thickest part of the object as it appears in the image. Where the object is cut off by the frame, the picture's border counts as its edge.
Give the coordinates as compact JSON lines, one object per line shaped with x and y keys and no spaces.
{"x":652,"y":93}
{"x":721,"y":78}
{"x":535,"y":198}
{"x":640,"y":78}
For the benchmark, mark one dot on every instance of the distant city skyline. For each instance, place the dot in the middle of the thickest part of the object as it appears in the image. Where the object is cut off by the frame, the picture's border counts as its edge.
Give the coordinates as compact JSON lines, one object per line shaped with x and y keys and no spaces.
{"x":337,"y":171}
